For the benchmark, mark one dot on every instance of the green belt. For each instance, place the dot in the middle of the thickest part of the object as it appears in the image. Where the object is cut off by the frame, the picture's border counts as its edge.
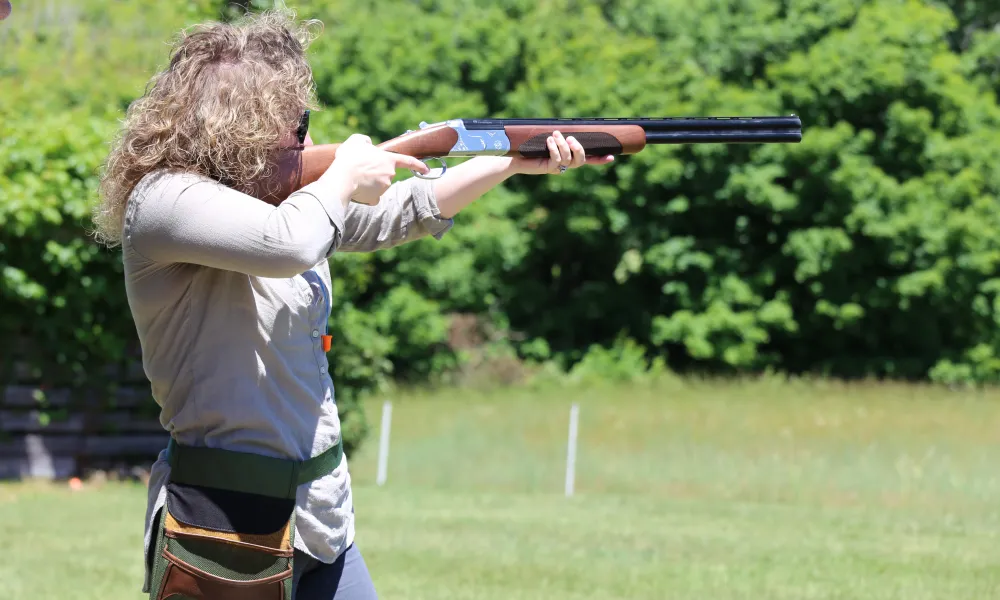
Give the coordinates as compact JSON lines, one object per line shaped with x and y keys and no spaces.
{"x":246,"y":472}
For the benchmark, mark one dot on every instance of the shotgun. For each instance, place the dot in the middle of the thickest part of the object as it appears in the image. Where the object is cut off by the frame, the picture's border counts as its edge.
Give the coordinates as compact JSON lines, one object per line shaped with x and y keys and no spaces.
{"x":303,"y":165}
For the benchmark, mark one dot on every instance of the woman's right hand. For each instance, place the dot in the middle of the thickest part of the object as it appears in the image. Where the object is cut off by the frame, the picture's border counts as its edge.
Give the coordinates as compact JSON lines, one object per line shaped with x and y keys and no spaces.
{"x":368,"y":169}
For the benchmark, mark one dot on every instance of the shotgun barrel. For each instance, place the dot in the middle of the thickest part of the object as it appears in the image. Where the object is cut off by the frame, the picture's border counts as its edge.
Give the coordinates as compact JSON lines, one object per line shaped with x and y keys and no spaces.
{"x":670,"y":130}
{"x":725,"y":136}
{"x":650,"y":123}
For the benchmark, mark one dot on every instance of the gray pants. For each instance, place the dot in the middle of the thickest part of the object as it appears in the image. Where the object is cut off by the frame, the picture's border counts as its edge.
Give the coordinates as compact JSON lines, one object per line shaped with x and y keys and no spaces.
{"x":346,"y":579}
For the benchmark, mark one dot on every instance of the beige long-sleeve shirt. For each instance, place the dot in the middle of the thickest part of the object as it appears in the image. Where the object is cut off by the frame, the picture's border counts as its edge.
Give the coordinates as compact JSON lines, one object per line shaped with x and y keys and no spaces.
{"x":230,"y":298}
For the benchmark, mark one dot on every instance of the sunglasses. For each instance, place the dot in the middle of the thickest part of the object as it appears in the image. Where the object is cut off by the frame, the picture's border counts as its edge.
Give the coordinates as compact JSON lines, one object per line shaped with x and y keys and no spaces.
{"x":303,"y":127}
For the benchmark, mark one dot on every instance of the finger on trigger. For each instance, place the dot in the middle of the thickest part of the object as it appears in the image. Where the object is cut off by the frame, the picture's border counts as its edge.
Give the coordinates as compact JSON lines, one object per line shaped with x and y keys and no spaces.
{"x":412,"y":164}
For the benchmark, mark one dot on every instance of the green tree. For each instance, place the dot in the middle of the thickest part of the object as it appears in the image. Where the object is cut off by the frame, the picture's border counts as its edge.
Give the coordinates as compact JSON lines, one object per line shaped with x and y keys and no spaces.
{"x":869,"y":248}
{"x":822,"y":256}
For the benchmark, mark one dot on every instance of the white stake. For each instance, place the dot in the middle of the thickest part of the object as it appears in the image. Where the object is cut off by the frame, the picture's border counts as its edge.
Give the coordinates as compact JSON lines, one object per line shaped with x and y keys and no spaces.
{"x":574,"y":417}
{"x":383,"y":443}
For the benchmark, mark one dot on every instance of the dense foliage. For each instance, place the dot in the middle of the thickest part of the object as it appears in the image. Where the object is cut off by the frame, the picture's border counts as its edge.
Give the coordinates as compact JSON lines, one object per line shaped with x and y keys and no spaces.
{"x":869,"y":249}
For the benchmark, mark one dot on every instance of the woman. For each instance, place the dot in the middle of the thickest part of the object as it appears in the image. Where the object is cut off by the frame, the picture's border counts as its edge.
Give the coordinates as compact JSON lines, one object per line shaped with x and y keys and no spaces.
{"x":231,"y":296}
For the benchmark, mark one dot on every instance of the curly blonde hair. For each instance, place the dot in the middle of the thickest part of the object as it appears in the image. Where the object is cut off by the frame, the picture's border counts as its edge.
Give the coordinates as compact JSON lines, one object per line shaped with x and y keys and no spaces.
{"x":230,"y":94}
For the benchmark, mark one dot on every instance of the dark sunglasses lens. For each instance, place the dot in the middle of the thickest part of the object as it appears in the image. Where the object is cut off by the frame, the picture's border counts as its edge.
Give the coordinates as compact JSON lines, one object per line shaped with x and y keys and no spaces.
{"x":303,"y":127}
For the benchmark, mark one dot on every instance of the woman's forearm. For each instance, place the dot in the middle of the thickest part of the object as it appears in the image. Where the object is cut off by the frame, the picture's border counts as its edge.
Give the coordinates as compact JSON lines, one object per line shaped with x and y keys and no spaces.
{"x":463,"y":184}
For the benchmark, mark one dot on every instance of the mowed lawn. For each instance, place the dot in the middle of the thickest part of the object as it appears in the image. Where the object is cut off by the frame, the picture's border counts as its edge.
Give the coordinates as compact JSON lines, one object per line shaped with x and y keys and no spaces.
{"x":763,"y":490}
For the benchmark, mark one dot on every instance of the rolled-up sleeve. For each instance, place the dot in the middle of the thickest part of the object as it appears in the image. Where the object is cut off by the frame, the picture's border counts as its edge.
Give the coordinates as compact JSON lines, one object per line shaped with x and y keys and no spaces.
{"x":406,"y":212}
{"x":185,"y":218}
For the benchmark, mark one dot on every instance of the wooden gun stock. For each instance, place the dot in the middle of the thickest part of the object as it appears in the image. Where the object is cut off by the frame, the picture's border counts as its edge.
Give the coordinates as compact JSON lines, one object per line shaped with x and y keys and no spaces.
{"x":301,"y":166}
{"x":298,"y":167}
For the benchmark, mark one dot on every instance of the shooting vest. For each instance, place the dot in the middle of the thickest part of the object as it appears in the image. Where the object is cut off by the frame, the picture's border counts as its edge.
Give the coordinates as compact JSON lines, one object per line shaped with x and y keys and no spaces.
{"x":226,"y":531}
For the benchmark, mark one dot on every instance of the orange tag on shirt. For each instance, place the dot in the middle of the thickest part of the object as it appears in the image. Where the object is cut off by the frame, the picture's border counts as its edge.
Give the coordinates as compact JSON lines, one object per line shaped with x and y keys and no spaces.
{"x":327,"y":343}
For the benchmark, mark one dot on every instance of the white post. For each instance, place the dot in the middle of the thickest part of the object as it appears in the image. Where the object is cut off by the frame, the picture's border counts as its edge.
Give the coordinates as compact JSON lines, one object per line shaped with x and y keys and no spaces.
{"x":383,"y":443}
{"x":574,"y":417}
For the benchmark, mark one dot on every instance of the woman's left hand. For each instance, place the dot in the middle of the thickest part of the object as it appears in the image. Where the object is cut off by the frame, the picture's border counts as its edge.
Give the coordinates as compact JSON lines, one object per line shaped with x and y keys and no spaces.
{"x":563,"y":152}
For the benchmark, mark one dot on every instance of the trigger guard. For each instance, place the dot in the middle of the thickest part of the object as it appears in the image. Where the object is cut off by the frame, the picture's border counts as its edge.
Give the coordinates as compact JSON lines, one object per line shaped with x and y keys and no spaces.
{"x":444,"y":167}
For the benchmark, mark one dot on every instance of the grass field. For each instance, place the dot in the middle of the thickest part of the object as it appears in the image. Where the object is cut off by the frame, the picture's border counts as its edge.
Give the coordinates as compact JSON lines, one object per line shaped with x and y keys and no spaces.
{"x":764,"y":490}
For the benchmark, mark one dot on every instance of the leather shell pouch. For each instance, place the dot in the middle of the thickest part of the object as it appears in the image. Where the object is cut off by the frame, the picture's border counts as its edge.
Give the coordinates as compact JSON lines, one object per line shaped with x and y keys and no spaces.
{"x":214,"y":544}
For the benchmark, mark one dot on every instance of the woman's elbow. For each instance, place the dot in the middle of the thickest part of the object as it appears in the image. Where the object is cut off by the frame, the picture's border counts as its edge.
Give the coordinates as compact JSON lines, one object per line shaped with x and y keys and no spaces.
{"x":295,"y":250}
{"x":290,"y":262}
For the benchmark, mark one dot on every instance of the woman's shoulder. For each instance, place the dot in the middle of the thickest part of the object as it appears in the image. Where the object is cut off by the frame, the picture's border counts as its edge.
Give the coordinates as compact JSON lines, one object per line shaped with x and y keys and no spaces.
{"x":160,"y":190}
{"x":164,"y":182}
{"x":156,"y":200}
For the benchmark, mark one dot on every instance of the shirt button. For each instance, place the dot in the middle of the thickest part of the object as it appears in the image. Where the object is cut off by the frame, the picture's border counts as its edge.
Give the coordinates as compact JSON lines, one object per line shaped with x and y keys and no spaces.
{"x":315,"y":333}
{"x":322,"y":370}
